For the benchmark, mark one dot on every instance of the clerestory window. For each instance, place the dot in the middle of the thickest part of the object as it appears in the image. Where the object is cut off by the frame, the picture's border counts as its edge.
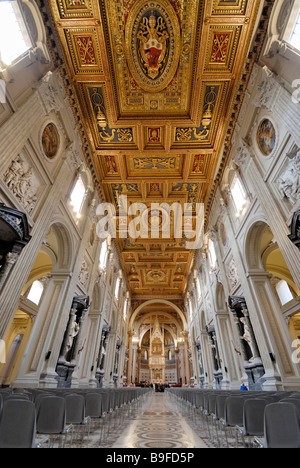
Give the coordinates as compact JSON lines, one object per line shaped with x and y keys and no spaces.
{"x":36,"y":292}
{"x":14,"y":37}
{"x":103,"y":255}
{"x":295,"y":37}
{"x":239,"y":196}
{"x":77,"y":197}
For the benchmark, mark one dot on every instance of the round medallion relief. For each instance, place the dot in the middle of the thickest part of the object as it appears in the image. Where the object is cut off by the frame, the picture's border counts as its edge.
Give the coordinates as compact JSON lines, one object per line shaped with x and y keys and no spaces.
{"x":50,"y":141}
{"x":266,"y":137}
{"x":153,"y":44}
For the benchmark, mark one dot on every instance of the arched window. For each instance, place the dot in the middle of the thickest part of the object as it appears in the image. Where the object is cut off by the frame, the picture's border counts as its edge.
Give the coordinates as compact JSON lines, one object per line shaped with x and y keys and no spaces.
{"x":14,"y":37}
{"x":284,"y":293}
{"x":212,"y":254}
{"x":117,"y":287}
{"x":198,"y":288}
{"x":77,"y":196}
{"x":291,"y":30}
{"x":125,"y":309}
{"x":36,"y":292}
{"x":103,"y":256}
{"x":295,"y":37}
{"x":239,"y":196}
{"x":189,"y":305}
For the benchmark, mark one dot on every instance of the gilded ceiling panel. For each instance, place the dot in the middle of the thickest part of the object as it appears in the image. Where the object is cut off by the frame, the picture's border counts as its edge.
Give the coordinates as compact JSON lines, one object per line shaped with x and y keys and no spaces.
{"x":156,"y":82}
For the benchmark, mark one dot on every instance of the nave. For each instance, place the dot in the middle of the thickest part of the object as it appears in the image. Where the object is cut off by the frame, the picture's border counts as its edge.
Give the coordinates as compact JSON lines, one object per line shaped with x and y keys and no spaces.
{"x":161,"y":424}
{"x":140,"y":418}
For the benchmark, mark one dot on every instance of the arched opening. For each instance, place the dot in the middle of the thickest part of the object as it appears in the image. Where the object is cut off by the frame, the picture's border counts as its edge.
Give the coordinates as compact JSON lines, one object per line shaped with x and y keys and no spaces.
{"x":227,"y":340}
{"x":277,"y":309}
{"x":40,"y":303}
{"x":20,"y":329}
{"x":269,"y":257}
{"x":158,"y":345}
{"x":154,"y":349}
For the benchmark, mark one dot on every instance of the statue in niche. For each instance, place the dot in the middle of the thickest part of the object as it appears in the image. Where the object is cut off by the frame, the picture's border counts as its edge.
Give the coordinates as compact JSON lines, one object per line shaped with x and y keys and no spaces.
{"x":289,"y":182}
{"x":247,"y":336}
{"x":73,"y":333}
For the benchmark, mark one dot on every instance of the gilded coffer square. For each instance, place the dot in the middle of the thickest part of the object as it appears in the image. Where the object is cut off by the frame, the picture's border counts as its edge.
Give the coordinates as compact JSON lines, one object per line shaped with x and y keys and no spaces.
{"x":84,"y":50}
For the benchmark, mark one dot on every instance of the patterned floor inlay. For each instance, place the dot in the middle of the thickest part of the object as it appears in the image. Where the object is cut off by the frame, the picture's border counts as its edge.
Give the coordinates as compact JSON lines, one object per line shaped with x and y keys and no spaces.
{"x":159,"y":425}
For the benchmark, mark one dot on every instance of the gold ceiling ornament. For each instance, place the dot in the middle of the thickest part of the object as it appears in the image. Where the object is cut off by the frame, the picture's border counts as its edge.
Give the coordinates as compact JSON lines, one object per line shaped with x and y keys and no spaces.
{"x":98,"y":103}
{"x":169,"y":76}
{"x":153,"y":44}
{"x":101,"y":119}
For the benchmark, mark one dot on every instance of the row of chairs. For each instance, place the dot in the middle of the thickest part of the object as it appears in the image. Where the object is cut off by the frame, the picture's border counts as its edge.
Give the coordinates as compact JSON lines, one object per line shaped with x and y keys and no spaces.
{"x":63,"y":417}
{"x":242,"y":419}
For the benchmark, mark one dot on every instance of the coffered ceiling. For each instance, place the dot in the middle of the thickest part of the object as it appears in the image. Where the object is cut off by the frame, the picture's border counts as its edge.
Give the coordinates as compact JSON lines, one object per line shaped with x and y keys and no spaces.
{"x":156,"y":81}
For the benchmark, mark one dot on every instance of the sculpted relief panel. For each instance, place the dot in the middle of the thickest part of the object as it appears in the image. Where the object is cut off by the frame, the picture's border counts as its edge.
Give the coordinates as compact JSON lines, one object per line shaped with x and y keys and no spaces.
{"x":289,"y":181}
{"x":22,"y":182}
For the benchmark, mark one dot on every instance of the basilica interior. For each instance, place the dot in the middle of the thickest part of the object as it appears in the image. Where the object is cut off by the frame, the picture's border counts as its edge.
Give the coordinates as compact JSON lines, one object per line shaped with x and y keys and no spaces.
{"x":150,"y":215}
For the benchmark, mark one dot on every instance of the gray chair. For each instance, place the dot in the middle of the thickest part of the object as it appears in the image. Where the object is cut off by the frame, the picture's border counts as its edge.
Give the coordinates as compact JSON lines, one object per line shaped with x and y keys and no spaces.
{"x":75,"y":415}
{"x":254,"y":410}
{"x":18,"y":424}
{"x":234,"y":416}
{"x":51,"y":420}
{"x":16,"y":396}
{"x":281,"y":426}
{"x":94,"y":410}
{"x":220,"y":416}
{"x":295,"y":402}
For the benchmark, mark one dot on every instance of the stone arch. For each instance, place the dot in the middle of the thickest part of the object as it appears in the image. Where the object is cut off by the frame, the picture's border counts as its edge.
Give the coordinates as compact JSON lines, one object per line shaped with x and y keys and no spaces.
{"x":157,"y":301}
{"x":140,"y":322}
{"x":252,"y":253}
{"x":259,"y":248}
{"x":165,"y":326}
{"x":60,"y":242}
{"x":265,"y":263}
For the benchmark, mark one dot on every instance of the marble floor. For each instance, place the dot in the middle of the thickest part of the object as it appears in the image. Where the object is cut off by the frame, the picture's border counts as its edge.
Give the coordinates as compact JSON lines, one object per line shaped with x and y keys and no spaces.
{"x":159,"y":424}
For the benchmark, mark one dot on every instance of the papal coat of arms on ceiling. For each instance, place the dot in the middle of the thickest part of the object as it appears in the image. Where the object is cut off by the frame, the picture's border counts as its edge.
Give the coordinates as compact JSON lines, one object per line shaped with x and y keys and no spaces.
{"x":153,"y":44}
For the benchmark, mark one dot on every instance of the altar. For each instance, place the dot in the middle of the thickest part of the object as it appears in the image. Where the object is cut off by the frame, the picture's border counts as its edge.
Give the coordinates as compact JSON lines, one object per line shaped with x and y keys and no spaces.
{"x":157,"y":360}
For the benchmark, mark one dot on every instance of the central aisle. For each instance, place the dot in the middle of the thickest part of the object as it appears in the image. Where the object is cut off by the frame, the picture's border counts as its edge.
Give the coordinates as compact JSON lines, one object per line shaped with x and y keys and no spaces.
{"x":159,"y":425}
